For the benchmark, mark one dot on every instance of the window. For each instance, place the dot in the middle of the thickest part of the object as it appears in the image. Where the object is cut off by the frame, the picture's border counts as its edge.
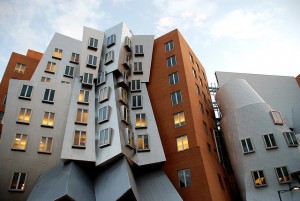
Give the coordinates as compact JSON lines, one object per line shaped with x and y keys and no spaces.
{"x":91,"y":61}
{"x":45,"y":145}
{"x":45,"y":79}
{"x":176,"y":97}
{"x":135,"y":85}
{"x":57,"y":54}
{"x":83,"y":96}
{"x":93,"y":43}
{"x":137,"y":101}
{"x":48,"y":119}
{"x":201,"y":108}
{"x":169,"y":46}
{"x":194,"y":73}
{"x":247,"y":146}
{"x":129,"y":138}
{"x":291,"y":139}
{"x":205,"y":127}
{"x":184,"y":177}
{"x":74,"y":58}
{"x":24,"y":116}
{"x":140,"y":120}
{"x":126,"y":60}
{"x":101,"y":78}
{"x":79,"y":139}
{"x":203,"y":96}
{"x":109,"y":57}
{"x":122,"y":95}
{"x":270,"y":141}
{"x":125,"y":114}
{"x":87,"y":79}
{"x":111,"y":40}
{"x":182,"y":143}
{"x":173,"y":78}
{"x":18,"y":181}
{"x":197,"y":89}
{"x":201,"y":82}
{"x":203,"y":74}
{"x":49,"y":95}
{"x":191,"y":58}
{"x":69,"y":71}
{"x":20,"y":142}
{"x":65,"y":82}
{"x":277,"y":118}
{"x":171,"y":61}
{"x":221,"y":182}
{"x":283,"y":175}
{"x":139,"y":50}
{"x":104,"y":137}
{"x":197,"y":65}
{"x":143,"y":143}
{"x":26,"y":92}
{"x":179,"y":119}
{"x":51,"y":67}
{"x":82,"y":116}
{"x":103,"y":94}
{"x":127,"y":43}
{"x":138,"y":67}
{"x":103,"y":114}
{"x":20,"y":68}
{"x":258,"y":178}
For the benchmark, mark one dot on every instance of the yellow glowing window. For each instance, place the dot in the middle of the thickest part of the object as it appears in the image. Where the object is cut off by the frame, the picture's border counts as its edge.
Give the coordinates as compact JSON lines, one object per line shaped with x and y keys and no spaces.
{"x":51,"y":67}
{"x":79,"y":138}
{"x":143,"y":142}
{"x":45,"y":144}
{"x":24,"y":115}
{"x":75,"y":58}
{"x":141,"y":120}
{"x":83,"y":96}
{"x":57,"y":53}
{"x":179,"y":119}
{"x":20,"y":141}
{"x":259,"y":178}
{"x":82,"y":116}
{"x":182,"y":143}
{"x":20,"y":68}
{"x":48,"y":119}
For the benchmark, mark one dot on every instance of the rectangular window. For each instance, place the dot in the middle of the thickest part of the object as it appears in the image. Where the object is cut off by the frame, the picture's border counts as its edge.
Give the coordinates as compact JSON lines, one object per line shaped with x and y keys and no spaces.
{"x":135,"y":85}
{"x":169,"y":46}
{"x":109,"y":57}
{"x":111,"y":40}
{"x":137,"y":101}
{"x":83,"y":96}
{"x":49,"y":95}
{"x":125,"y":114}
{"x":191,"y":58}
{"x":103,"y":114}
{"x":26,"y":92}
{"x":204,"y":97}
{"x":176,"y":97}
{"x":291,"y":139}
{"x":93,"y":43}
{"x":87,"y":79}
{"x":48,"y":119}
{"x":179,"y":119}
{"x":74,"y":58}
{"x":126,"y":60}
{"x":201,"y":108}
{"x":101,"y":78}
{"x":45,"y":79}
{"x":51,"y":67}
{"x":129,"y":138}
{"x":91,"y":61}
{"x":82,"y":116}
{"x":197,"y":65}
{"x":20,"y":68}
{"x":270,"y":142}
{"x":128,"y":43}
{"x":45,"y":145}
{"x":122,"y":95}
{"x":203,"y":74}
{"x":18,"y":181}
{"x":69,"y":71}
{"x":143,"y":143}
{"x":283,"y":175}
{"x":139,"y":50}
{"x":138,"y":67}
{"x":104,"y":137}
{"x":277,"y":118}
{"x":201,"y":82}
{"x":24,"y":116}
{"x":182,"y":143}
{"x":258,"y":178}
{"x":184,"y":177}
{"x":194,"y":73}
{"x":140,"y":120}
{"x":20,"y":142}
{"x":171,"y":61}
{"x":57,"y":54}
{"x":103,"y":94}
{"x":197,"y":89}
{"x":79,"y":139}
{"x":173,"y":78}
{"x":247,"y":145}
{"x":65,"y":82}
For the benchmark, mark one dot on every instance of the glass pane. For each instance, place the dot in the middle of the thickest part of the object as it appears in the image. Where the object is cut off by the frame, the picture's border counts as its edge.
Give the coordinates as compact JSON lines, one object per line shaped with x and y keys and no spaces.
{"x":182,"y":118}
{"x":45,"y":119}
{"x":146,"y":142}
{"x":143,"y":123}
{"x":272,"y":140}
{"x":179,"y":144}
{"x":245,"y":148}
{"x":51,"y":120}
{"x":181,"y":178}
{"x":23,"y":142}
{"x":21,"y":185}
{"x":21,"y":114}
{"x":81,"y":95}
{"x":86,"y":96}
{"x":83,"y":139}
{"x":51,"y":95}
{"x":14,"y":181}
{"x":42,"y":144}
{"x":179,"y":97}
{"x":78,"y":116}
{"x":90,"y":59}
{"x":138,"y":120}
{"x":106,"y":137}
{"x":249,"y":144}
{"x":266,"y":137}
{"x":294,"y":138}
{"x":262,"y":178}
{"x":176,"y":119}
{"x":49,"y":144}
{"x":76,"y":138}
{"x":17,"y":141}
{"x":23,"y":90}
{"x":85,"y":116}
{"x":140,"y":142}
{"x":188,"y":177}
{"x":29,"y":90}
{"x":185,"y":142}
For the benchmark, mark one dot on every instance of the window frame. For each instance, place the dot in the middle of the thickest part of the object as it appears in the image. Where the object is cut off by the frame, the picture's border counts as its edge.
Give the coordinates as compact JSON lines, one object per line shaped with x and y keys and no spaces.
{"x":109,"y":57}
{"x":171,"y":61}
{"x":262,"y":183}
{"x":51,"y":67}
{"x":69,"y":71}
{"x":138,"y":67}
{"x":93,"y":43}
{"x":180,"y":143}
{"x":176,"y":97}
{"x":125,"y":114}
{"x":91,"y":61}
{"x":267,"y":137}
{"x":18,"y":182}
{"x":45,"y":79}
{"x":111,"y":40}
{"x":57,"y":53}
{"x":28,"y":92}
{"x":87,"y":77}
{"x":137,"y":102}
{"x":49,"y":96}
{"x":103,"y":94}
{"x":101,"y":78}
{"x":46,"y":122}
{"x":169,"y":45}
{"x":282,"y":172}
{"x":277,"y":117}
{"x":46,"y":145}
{"x":85,"y":95}
{"x":140,"y":120}
{"x":20,"y":68}
{"x":122,"y":95}
{"x":81,"y":138}
{"x":103,"y":114}
{"x":75,"y":58}
{"x":129,"y":137}
{"x":82,"y":113}
{"x":144,"y":138}
{"x":186,"y":183}
{"x":139,"y":50}
{"x":248,"y":151}
{"x":291,"y":139}
{"x":107,"y":132}
{"x":22,"y":121}
{"x":18,"y":146}
{"x":178,"y":116}
{"x":136,"y":85}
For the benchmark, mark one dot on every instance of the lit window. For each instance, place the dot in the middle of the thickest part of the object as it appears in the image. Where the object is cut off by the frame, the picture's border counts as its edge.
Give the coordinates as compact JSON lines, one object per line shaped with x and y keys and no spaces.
{"x":128,"y":43}
{"x":291,"y":139}
{"x":20,"y":142}
{"x":270,"y":141}
{"x":179,"y":119}
{"x":91,"y":61}
{"x":83,"y":96}
{"x":104,"y":137}
{"x":143,"y":143}
{"x":101,"y":78}
{"x":69,"y":71}
{"x":138,"y":67}
{"x":48,"y":119}
{"x":82,"y":116}
{"x":171,"y":61}
{"x":139,"y":50}
{"x":137,"y":101}
{"x":74,"y":58}
{"x":283,"y":175}
{"x":109,"y":57}
{"x":45,"y":79}
{"x":79,"y":139}
{"x":24,"y":116}
{"x":182,"y":143}
{"x":169,"y":46}
{"x":103,"y":94}
{"x":49,"y":95}
{"x":18,"y":181}
{"x":26,"y":92}
{"x":194,"y":73}
{"x":197,"y":89}
{"x":173,"y":78}
{"x":176,"y":97}
{"x":122,"y":95}
{"x":45,"y":145}
{"x":20,"y":68}
{"x":258,"y":178}
{"x":57,"y":54}
{"x":93,"y":43}
{"x":129,"y":138}
{"x":111,"y":40}
{"x":125,"y":114}
{"x":103,"y":114}
{"x":140,"y":120}
{"x":191,"y":58}
{"x":184,"y":177}
{"x":277,"y":118}
{"x":201,"y":108}
{"x":135,"y":85}
{"x":51,"y":67}
{"x":221,"y":182}
{"x":247,"y":146}
{"x":87,"y":79}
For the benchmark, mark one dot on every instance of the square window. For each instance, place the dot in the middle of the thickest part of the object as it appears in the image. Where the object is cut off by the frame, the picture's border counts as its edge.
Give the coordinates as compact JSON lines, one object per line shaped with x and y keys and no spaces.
{"x":48,"y":120}
{"x":291,"y":139}
{"x":283,"y":175}
{"x":103,"y":94}
{"x":74,"y":58}
{"x":122,"y":95}
{"x":91,"y":61}
{"x":101,"y":78}
{"x":137,"y":102}
{"x":169,"y":46}
{"x":20,"y":68}
{"x":18,"y":181}
{"x":277,"y":118}
{"x":93,"y":43}
{"x":247,"y":146}
{"x":79,"y":139}
{"x":104,"y":137}
{"x":103,"y":114}
{"x":83,"y":96}
{"x":176,"y":97}
{"x":81,"y":116}
{"x":69,"y":71}
{"x":179,"y":119}
{"x":26,"y":92}
{"x":173,"y":78}
{"x":109,"y":57}
{"x":135,"y":85}
{"x":140,"y":120}
{"x":259,"y":178}
{"x":138,"y":67}
{"x":125,"y":114}
{"x":111,"y":40}
{"x":184,"y":177}
{"x":45,"y":145}
{"x":270,"y":142}
{"x":57,"y":54}
{"x":129,"y":138}
{"x":45,"y":79}
{"x":204,"y":97}
{"x":143,"y":143}
{"x":20,"y":142}
{"x":24,"y":116}
{"x":87,"y":79}
{"x":171,"y":61}
{"x":51,"y":67}
{"x":139,"y":50}
{"x":182,"y":143}
{"x":49,"y":96}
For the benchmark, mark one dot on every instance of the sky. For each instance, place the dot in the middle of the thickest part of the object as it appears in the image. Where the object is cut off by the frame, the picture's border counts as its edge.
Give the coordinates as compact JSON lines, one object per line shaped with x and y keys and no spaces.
{"x":254,"y":36}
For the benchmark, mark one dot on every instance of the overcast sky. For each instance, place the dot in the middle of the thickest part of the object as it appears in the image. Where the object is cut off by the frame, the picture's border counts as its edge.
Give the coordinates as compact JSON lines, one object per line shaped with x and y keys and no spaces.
{"x":255,"y":36}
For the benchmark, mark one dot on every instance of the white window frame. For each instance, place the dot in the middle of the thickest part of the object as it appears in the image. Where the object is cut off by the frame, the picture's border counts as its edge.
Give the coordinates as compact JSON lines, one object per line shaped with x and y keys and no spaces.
{"x":48,"y":140}
{"x":136,"y":85}
{"x":122,"y":95}
{"x":103,"y":114}
{"x":180,"y":142}
{"x":172,"y":78}
{"x":57,"y":54}
{"x":47,"y":119}
{"x":105,"y":137}
{"x":20,"y":68}
{"x":101,"y":78}
{"x":138,"y":67}
{"x":69,"y":71}
{"x":51,"y":67}
{"x":22,"y":120}
{"x":85,"y":96}
{"x":176,"y":97}
{"x":45,"y":79}
{"x":268,"y":140}
{"x":186,"y":183}
{"x":87,"y":77}
{"x":291,"y":139}
{"x":20,"y":174}
{"x":19,"y":142}
{"x":93,"y":43}
{"x":144,"y":138}
{"x":178,"y":116}
{"x":169,"y":45}
{"x":81,"y":139}
{"x":137,"y":101}
{"x":139,"y":119}
{"x":171,"y":61}
{"x":74,"y":58}
{"x":129,"y":137}
{"x":109,"y":57}
{"x":49,"y":95}
{"x":125,"y":114}
{"x":27,"y":92}
{"x":139,"y":50}
{"x":111,"y":40}
{"x":103,"y":94}
{"x":261,"y":178}
{"x":247,"y":141}
{"x":128,"y":43}
{"x":91,"y":61}
{"x":82,"y":112}
{"x":281,"y":176}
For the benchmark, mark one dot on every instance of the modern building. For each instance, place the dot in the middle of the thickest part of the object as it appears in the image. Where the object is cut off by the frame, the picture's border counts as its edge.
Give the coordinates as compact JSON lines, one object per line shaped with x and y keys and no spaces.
{"x":260,"y":125}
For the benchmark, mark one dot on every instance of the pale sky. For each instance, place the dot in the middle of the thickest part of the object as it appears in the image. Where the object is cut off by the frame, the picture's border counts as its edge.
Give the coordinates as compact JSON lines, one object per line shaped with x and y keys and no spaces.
{"x":254,"y":36}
